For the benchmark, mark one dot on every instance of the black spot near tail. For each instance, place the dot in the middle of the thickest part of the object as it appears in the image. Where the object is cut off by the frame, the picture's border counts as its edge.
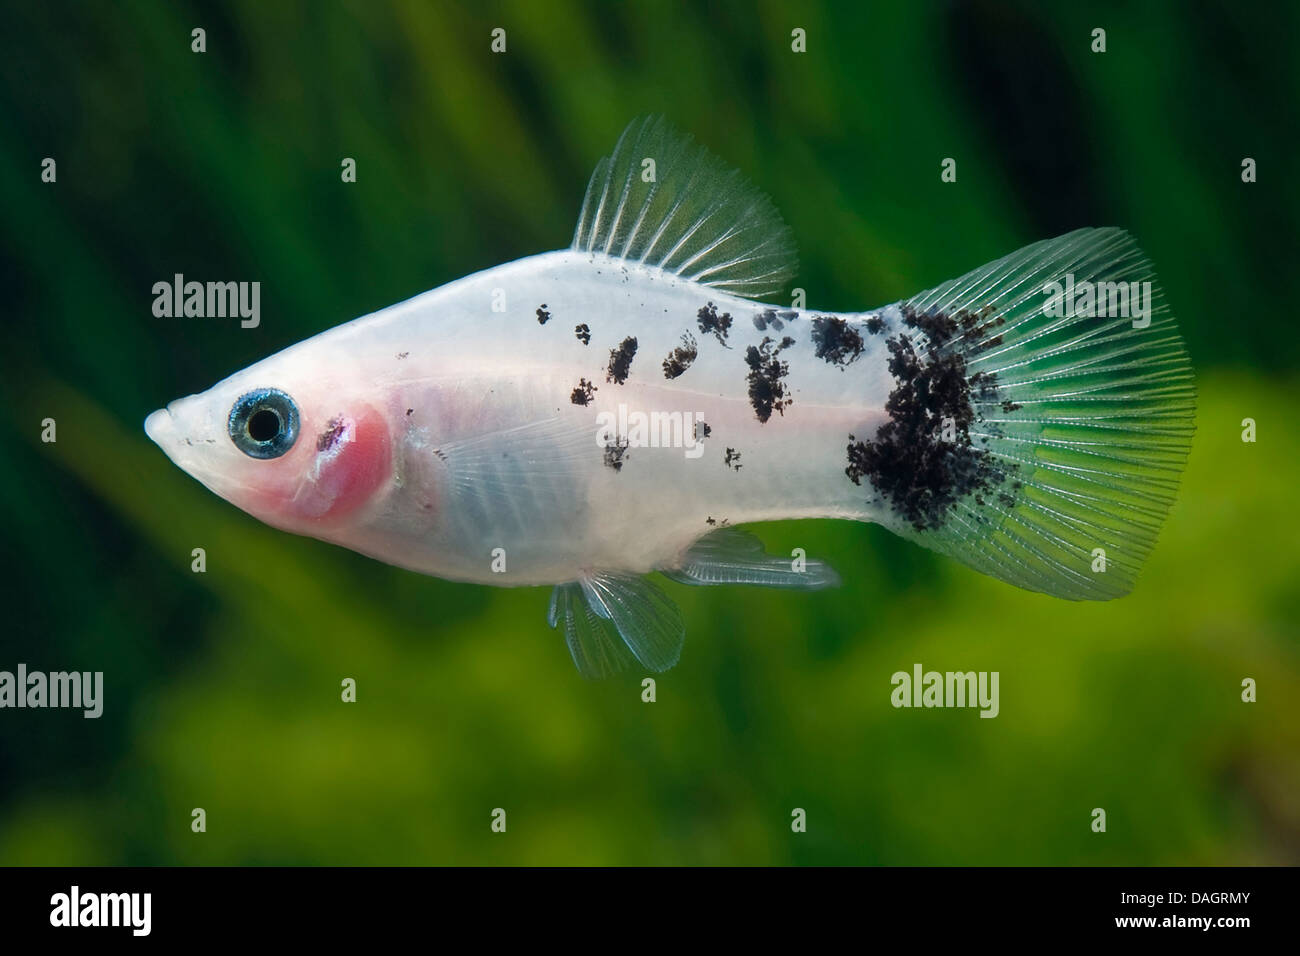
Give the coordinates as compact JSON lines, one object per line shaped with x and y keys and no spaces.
{"x":711,"y":323}
{"x":620,"y":361}
{"x":680,"y":358}
{"x":766,"y":378}
{"x":584,"y":393}
{"x":542,"y":315}
{"x":922,"y":460}
{"x":835,"y":340}
{"x":965,"y":329}
{"x":732,"y":459}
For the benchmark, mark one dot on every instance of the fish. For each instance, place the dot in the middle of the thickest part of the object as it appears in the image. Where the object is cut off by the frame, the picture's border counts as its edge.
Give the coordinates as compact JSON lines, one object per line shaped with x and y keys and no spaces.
{"x":584,"y":418}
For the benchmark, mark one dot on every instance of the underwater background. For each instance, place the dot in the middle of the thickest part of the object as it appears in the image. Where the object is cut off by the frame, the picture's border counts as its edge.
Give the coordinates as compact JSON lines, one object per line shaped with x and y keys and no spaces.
{"x":222,"y":689}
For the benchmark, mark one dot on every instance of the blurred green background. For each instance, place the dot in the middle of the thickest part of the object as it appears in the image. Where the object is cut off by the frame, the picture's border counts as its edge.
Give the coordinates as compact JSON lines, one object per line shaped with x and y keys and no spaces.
{"x":223,"y":689}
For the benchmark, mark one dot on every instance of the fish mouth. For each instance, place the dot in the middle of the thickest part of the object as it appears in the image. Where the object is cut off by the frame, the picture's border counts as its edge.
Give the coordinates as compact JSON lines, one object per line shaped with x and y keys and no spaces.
{"x":171,"y":429}
{"x":160,"y":426}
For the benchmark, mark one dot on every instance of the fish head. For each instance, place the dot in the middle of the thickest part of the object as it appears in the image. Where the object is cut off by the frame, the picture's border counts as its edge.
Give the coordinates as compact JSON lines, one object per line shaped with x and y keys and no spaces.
{"x":298,"y":451}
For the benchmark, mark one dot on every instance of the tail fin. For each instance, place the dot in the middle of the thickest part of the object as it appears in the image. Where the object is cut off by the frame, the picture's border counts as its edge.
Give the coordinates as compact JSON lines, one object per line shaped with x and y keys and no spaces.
{"x":1081,"y":415}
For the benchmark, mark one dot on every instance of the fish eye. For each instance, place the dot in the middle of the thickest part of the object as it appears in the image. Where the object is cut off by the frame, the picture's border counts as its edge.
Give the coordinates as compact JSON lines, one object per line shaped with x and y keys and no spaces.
{"x":264,"y":423}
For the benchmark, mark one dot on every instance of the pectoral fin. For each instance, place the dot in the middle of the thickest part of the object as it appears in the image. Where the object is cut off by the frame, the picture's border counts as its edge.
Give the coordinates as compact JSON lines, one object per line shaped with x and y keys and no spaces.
{"x":613,"y":621}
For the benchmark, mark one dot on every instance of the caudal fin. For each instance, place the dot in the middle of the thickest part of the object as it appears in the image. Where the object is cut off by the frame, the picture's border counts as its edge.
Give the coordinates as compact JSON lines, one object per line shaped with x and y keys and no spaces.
{"x":1043,"y":414}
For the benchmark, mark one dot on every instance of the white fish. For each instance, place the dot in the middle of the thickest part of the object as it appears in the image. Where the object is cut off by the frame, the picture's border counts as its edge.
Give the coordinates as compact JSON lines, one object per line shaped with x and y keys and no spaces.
{"x":583,"y":417}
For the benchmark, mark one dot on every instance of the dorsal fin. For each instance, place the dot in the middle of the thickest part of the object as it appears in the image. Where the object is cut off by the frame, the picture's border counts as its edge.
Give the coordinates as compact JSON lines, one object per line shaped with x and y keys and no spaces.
{"x":696,"y":218}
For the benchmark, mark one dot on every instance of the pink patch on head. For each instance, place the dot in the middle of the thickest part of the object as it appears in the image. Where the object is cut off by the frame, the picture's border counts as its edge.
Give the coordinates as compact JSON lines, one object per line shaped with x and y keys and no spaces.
{"x":352,"y":459}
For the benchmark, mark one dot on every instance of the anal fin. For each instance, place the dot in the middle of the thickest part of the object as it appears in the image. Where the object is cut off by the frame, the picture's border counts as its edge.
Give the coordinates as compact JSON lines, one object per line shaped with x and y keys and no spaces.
{"x":732,"y":556}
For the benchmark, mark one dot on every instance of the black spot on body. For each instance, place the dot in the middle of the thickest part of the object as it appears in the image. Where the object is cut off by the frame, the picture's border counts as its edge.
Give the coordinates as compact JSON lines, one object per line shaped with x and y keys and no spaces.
{"x":711,"y":323}
{"x":583,"y":333}
{"x":402,"y":355}
{"x":836,"y":342}
{"x":408,"y":412}
{"x":874,"y":324}
{"x":768,"y":319}
{"x":620,"y":361}
{"x":680,"y":358}
{"x":542,"y":315}
{"x":702,"y":431}
{"x":732,"y":459}
{"x":908,"y":461}
{"x":616,"y":453}
{"x":583,"y":394}
{"x":766,"y":377}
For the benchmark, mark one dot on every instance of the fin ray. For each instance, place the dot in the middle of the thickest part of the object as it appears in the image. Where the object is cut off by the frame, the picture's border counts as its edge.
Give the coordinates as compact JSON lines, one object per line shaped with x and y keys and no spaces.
{"x":596,"y":648}
{"x":1083,"y":420}
{"x":697,"y":218}
{"x":508,"y":477}
{"x":733,"y":556}
{"x":647,"y":620}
